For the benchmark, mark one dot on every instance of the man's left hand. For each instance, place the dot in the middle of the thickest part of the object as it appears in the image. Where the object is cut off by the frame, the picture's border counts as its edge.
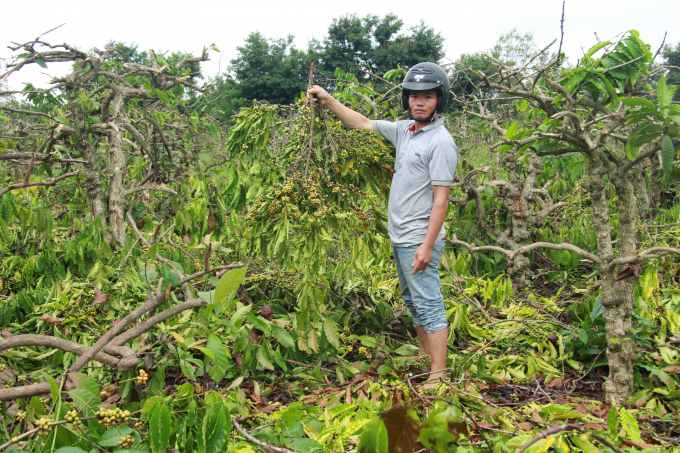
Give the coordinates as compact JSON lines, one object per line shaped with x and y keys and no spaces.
{"x":422,"y":258}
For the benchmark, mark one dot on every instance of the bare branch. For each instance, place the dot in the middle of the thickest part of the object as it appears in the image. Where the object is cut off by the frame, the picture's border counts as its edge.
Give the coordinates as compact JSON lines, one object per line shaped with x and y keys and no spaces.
{"x":67,"y":346}
{"x":474,"y":249}
{"x":203,"y":57}
{"x":538,"y":218}
{"x":29,"y":170}
{"x":26,"y":112}
{"x":152,"y":321}
{"x":650,"y":253}
{"x":38,"y":156}
{"x":52,"y":182}
{"x":661,"y":226}
{"x":159,"y":129}
{"x":649,"y":153}
{"x":156,"y":187}
{"x":626,"y":63}
{"x":511,"y":254}
{"x":568,"y":427}
{"x":150,"y":304}
{"x":263,"y":445}
{"x":210,"y":271}
{"x":559,"y":51}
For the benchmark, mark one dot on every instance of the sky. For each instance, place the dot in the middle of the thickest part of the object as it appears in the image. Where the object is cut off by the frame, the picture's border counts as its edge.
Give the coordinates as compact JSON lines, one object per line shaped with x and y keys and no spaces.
{"x":188,"y":26}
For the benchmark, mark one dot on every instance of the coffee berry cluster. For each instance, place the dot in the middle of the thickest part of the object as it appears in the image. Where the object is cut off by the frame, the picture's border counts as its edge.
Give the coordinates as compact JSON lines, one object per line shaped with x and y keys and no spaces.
{"x":43,"y":426}
{"x":111,"y":417}
{"x":313,"y":193}
{"x":126,"y":442}
{"x":72,"y":417}
{"x":142,"y":378}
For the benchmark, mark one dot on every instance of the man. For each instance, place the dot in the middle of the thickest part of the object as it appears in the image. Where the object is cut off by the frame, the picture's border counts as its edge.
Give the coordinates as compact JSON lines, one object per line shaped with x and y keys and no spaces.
{"x":425,"y":165}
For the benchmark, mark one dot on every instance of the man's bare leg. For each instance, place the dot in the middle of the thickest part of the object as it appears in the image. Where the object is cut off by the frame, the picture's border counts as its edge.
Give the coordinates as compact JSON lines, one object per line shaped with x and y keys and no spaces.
{"x":437,"y":351}
{"x":423,"y":341}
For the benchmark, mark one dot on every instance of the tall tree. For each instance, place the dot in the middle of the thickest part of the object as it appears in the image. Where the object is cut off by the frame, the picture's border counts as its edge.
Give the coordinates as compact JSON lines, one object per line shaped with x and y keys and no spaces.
{"x":422,"y":44}
{"x":511,"y":49}
{"x":349,"y":43}
{"x":354,"y":44}
{"x":514,"y":48}
{"x":671,"y":56}
{"x":270,"y":69}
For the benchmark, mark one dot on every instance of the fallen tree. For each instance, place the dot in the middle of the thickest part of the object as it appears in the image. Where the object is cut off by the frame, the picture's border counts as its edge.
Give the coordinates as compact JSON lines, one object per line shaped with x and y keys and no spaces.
{"x":110,"y":349}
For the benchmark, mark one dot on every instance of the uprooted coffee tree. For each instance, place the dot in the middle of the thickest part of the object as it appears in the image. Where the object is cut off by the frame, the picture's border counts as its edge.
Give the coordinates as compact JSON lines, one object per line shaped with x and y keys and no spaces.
{"x":168,"y":284}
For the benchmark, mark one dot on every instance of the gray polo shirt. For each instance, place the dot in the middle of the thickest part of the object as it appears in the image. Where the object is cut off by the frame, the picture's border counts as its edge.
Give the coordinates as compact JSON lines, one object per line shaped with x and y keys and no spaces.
{"x":424,"y":159}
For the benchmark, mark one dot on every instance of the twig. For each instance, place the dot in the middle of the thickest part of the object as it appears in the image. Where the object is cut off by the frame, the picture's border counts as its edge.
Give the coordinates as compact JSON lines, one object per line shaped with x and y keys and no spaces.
{"x":624,"y":64}
{"x":29,"y":170}
{"x":659,"y":49}
{"x":132,"y":247}
{"x":35,"y":430}
{"x":305,"y":365}
{"x":568,"y":427}
{"x":311,"y":116}
{"x":538,"y":386}
{"x":661,"y":226}
{"x":559,"y":51}
{"x":259,"y":443}
{"x":591,"y":367}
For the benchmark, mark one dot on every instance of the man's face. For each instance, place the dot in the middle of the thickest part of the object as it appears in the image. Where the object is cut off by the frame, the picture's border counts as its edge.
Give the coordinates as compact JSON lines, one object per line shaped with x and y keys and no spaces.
{"x":422,"y":104}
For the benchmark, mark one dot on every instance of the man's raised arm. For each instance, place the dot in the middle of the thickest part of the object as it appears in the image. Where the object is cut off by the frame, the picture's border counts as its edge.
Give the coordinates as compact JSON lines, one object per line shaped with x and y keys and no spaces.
{"x":349,"y":117}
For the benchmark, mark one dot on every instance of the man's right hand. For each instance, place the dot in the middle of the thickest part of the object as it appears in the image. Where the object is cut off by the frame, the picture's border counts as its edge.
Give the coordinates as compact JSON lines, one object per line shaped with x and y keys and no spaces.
{"x":320,"y":93}
{"x":349,"y":117}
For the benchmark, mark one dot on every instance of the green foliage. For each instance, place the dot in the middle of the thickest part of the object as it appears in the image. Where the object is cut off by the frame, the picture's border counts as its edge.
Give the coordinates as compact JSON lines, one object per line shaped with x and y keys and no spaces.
{"x":371,"y":43}
{"x":309,"y":347}
{"x":268,"y":69}
{"x":275,"y":71}
{"x":443,"y":429}
{"x":374,"y":437}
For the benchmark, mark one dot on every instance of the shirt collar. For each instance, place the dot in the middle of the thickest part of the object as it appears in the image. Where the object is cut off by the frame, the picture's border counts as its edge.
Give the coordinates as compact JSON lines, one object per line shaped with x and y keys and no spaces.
{"x":435,"y":124}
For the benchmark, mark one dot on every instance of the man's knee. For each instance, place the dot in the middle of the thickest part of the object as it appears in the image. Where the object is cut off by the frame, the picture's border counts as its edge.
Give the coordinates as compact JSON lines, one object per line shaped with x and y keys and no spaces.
{"x":436,"y":326}
{"x":432,"y":314}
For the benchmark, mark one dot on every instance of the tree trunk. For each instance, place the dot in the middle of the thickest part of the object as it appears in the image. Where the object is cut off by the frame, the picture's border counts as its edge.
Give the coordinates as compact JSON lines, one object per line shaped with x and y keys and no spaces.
{"x":617,"y":297}
{"x":643,"y":194}
{"x":518,"y":198}
{"x":92,"y":173}
{"x":655,"y":184}
{"x":116,"y":188}
{"x":95,"y":193}
{"x":620,"y":302}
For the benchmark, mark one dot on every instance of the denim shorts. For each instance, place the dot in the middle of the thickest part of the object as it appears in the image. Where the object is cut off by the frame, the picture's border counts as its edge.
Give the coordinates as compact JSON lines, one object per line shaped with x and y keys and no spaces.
{"x":422,"y":292}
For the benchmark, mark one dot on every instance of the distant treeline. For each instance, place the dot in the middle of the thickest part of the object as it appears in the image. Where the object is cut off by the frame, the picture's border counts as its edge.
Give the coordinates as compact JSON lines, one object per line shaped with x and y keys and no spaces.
{"x":274,"y":70}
